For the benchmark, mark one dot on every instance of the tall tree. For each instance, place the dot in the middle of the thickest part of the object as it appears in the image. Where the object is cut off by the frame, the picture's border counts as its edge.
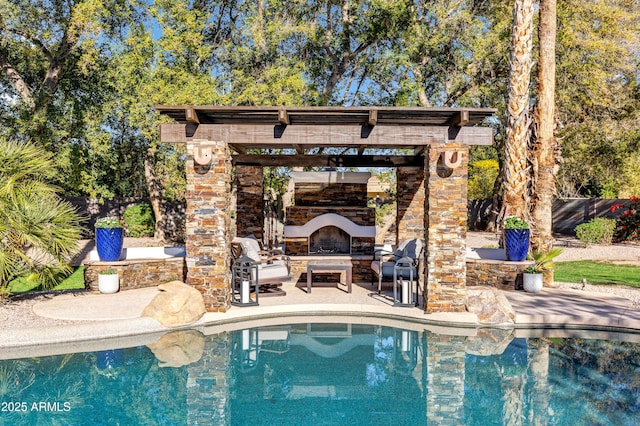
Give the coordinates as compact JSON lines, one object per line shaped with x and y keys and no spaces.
{"x":545,"y":146}
{"x":43,"y":43}
{"x":516,"y":200}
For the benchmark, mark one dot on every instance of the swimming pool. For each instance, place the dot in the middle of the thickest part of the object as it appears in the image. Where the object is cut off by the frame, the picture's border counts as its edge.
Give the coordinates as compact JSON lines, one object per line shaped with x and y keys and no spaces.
{"x":331,"y":374}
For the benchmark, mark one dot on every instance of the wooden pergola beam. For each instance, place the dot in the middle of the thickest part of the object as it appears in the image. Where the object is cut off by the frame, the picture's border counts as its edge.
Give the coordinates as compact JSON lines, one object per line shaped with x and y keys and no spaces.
{"x":192,"y":116}
{"x":461,"y":118}
{"x":279,"y":160}
{"x":264,"y":136}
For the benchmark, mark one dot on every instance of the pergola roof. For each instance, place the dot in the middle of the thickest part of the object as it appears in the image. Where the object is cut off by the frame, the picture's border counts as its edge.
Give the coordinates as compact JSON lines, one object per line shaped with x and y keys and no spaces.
{"x":378,"y":116}
{"x":310,"y":130}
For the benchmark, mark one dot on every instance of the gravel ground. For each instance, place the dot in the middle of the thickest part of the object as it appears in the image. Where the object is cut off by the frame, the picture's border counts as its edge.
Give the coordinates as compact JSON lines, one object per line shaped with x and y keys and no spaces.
{"x":18,"y":313}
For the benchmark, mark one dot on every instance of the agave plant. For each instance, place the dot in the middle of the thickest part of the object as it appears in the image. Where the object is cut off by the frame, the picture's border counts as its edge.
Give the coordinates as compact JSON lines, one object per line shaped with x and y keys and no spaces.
{"x":542,"y":261}
{"x":39,"y":232}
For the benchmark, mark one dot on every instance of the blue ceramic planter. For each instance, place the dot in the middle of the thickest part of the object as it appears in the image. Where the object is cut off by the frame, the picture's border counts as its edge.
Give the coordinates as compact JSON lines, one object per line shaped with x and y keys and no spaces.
{"x":516,"y":244}
{"x":111,"y":358}
{"x":109,"y":243}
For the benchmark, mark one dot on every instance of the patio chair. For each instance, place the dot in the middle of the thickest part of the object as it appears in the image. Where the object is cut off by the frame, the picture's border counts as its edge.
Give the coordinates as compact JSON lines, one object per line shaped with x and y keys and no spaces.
{"x":385,"y":263}
{"x":272,"y":268}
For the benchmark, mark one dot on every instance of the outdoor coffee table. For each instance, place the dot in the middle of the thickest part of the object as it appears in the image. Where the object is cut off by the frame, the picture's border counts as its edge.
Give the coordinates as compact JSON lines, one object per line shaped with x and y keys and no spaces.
{"x":328,"y":265}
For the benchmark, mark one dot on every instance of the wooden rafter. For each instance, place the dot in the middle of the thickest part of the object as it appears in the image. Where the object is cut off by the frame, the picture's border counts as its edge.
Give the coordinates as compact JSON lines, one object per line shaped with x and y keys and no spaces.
{"x":277,"y":160}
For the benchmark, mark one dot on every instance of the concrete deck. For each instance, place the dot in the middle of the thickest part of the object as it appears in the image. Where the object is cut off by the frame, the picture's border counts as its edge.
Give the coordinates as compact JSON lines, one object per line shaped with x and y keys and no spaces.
{"x":118,"y":316}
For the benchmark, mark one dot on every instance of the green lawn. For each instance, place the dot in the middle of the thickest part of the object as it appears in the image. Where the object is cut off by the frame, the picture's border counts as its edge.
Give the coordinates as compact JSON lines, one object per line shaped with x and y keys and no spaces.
{"x":597,"y":273}
{"x":73,"y":282}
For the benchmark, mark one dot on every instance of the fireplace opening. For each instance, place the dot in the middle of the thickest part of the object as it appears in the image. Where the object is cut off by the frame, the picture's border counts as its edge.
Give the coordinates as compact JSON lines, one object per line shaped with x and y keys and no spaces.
{"x":329,"y":240}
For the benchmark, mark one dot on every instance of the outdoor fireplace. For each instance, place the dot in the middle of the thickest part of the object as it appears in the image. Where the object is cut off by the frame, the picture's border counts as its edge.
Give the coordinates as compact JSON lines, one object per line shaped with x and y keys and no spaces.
{"x":329,"y":240}
{"x":330,"y":215}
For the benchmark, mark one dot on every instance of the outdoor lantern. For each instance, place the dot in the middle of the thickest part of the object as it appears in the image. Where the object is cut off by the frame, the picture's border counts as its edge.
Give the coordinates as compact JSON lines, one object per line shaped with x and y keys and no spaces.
{"x":406,"y":350}
{"x":244,"y":277}
{"x":248,"y":349}
{"x":403,"y":282}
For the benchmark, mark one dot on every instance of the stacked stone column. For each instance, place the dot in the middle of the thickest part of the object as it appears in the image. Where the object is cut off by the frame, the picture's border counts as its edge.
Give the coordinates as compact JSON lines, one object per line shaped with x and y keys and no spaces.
{"x":208,"y":223}
{"x":445,"y":379}
{"x":208,"y":396}
{"x":410,"y":203}
{"x":445,"y":215}
{"x":249,"y":210}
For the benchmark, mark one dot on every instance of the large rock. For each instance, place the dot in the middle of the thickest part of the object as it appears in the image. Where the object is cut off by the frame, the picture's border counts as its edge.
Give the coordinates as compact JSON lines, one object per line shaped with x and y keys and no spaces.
{"x":178,"y":348}
{"x":177,"y":304}
{"x":490,"y":305}
{"x":489,"y":341}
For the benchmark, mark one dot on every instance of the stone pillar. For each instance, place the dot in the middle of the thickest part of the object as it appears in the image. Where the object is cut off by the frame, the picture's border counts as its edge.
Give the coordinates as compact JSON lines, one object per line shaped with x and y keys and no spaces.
{"x":445,"y":215}
{"x":249,"y":210}
{"x":208,"y":222}
{"x":208,"y":392}
{"x":410,"y":203}
{"x":445,"y":379}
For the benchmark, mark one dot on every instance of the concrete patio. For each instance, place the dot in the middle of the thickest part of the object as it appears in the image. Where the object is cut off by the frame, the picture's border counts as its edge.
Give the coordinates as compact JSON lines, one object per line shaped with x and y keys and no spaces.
{"x":98,"y":316}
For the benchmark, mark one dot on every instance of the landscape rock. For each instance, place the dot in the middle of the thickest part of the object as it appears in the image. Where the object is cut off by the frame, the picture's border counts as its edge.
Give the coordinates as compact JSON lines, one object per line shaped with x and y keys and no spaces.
{"x":178,"y":348}
{"x":489,"y":341}
{"x":490,"y":305}
{"x":175,"y":305}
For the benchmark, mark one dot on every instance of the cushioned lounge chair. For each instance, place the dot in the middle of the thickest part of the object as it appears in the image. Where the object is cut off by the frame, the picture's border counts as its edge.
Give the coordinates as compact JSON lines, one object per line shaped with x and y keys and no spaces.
{"x":273,"y":268}
{"x":385,"y":263}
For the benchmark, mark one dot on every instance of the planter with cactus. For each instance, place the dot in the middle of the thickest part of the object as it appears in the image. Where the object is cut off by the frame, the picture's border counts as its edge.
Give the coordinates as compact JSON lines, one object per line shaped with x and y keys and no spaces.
{"x":533,"y":275}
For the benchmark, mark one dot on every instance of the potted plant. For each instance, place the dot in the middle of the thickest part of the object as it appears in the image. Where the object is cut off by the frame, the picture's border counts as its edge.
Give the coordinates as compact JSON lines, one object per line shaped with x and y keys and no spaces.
{"x":516,"y":238}
{"x":109,"y":238}
{"x":108,"y":281}
{"x":533,"y":276}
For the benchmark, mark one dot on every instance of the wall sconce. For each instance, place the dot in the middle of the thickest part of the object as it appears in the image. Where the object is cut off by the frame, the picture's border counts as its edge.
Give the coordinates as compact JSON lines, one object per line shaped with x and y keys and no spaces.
{"x":452,"y":159}
{"x":202,"y":155}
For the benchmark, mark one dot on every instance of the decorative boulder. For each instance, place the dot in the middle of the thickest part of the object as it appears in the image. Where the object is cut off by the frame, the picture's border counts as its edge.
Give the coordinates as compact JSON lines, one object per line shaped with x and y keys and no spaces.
{"x":177,"y":304}
{"x":490,"y":305}
{"x":178,"y":348}
{"x":489,"y":341}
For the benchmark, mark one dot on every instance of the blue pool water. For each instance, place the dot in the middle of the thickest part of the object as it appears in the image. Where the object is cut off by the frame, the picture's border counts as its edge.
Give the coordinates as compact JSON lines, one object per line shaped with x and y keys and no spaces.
{"x":330,"y":374}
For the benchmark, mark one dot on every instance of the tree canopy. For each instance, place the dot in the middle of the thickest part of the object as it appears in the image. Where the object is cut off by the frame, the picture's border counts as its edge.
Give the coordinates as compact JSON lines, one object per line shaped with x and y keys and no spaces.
{"x":80,"y":78}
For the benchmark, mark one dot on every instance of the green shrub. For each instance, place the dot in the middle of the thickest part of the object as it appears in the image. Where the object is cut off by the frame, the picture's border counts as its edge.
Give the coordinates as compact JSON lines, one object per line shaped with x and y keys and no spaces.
{"x":514,"y":222}
{"x":140,"y":221}
{"x":482,"y":176}
{"x":598,"y":230}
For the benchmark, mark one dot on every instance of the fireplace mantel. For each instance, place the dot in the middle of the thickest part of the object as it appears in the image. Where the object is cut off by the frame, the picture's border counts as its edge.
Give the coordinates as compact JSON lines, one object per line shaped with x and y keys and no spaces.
{"x":329,"y":219}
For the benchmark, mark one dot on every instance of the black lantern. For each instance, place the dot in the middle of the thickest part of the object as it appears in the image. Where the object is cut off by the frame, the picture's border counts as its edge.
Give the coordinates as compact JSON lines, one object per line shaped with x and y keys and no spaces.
{"x":406,"y":350}
{"x":247,"y":349}
{"x":244,"y":277}
{"x":404,"y":277}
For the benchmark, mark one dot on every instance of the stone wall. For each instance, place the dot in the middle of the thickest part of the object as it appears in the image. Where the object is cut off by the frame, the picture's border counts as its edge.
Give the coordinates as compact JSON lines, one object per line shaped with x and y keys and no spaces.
{"x":445,"y":216}
{"x":208,"y":242}
{"x":410,"y":203}
{"x":249,"y":211}
{"x":137,"y":273}
{"x":500,"y":274}
{"x":330,"y":194}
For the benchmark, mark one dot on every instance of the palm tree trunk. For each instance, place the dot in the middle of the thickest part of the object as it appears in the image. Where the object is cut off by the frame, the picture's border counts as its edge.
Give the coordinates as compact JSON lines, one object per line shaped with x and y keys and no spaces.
{"x":516,"y":198}
{"x":545,"y":146}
